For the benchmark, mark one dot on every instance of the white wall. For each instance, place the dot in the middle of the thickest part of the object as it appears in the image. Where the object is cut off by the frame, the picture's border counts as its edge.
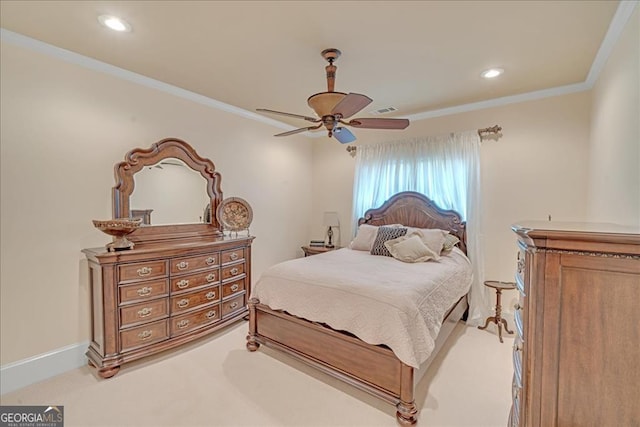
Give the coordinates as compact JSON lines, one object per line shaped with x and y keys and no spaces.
{"x":614,"y":181}
{"x":64,"y":127}
{"x":537,"y":168}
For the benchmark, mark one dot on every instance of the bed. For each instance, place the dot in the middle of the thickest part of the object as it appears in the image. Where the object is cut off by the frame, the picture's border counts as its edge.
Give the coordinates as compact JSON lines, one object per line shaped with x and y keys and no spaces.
{"x":368,"y":362}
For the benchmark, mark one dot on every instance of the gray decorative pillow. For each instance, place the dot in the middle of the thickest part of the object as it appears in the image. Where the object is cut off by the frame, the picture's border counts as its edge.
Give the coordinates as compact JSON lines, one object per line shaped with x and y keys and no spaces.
{"x":384,"y":234}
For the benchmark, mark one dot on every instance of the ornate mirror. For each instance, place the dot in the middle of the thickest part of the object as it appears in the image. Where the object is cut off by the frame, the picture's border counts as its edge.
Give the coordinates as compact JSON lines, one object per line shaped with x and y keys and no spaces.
{"x":171,"y":188}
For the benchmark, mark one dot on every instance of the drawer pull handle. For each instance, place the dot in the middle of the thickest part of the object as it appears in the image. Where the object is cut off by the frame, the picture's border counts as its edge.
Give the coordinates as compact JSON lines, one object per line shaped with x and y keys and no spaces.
{"x":211,"y":260}
{"x":234,"y":271}
{"x":183,"y":303}
{"x":233,"y":305}
{"x":145,"y":335}
{"x":182,"y":265}
{"x":234,"y":287}
{"x":144,"y":271}
{"x":211,"y":314}
{"x":233,"y":256}
{"x":183,"y":324}
{"x":211,"y":277}
{"x":210,"y":295}
{"x":184,"y":283}
{"x":144,"y":312}
{"x":143,"y":292}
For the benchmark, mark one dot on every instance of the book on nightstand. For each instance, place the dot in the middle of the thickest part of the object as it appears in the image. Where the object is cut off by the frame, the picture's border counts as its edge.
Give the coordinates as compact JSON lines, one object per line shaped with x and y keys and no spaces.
{"x":316,"y":243}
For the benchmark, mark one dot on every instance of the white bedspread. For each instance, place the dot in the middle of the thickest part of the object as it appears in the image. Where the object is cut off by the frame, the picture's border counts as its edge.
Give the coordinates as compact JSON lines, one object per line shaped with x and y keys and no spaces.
{"x":378,"y":299}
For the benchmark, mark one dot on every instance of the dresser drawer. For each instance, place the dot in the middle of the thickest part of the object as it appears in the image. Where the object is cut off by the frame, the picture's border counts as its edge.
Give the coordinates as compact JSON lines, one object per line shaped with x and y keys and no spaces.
{"x":204,"y":278}
{"x":193,"y":263}
{"x":142,"y":271}
{"x":144,"y":335}
{"x":231,"y":288}
{"x":232,"y":255}
{"x":232,"y":305}
{"x":232,"y":271}
{"x":144,"y":312}
{"x":141,"y":291}
{"x":192,"y":300}
{"x":191,"y":321}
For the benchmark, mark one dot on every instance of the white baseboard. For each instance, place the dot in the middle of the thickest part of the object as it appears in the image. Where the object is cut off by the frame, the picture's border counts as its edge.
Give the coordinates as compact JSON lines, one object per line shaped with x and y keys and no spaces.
{"x":38,"y":368}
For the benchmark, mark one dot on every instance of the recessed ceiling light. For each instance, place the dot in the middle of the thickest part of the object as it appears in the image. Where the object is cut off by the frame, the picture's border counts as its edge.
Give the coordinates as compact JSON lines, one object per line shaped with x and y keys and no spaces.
{"x":114,"y":23}
{"x":492,"y":73}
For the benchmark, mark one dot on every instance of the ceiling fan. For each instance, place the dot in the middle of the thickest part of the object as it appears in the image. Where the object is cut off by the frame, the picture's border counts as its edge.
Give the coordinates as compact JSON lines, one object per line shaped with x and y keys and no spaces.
{"x":332,"y":107}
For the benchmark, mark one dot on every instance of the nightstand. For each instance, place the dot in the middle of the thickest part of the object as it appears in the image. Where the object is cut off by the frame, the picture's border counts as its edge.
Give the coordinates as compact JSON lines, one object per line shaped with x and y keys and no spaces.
{"x":314,"y":250}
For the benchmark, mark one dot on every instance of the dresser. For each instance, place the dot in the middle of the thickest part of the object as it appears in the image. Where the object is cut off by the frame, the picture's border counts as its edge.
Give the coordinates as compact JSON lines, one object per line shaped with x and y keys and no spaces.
{"x":179,"y":276}
{"x":576,"y":356}
{"x":157,"y":297}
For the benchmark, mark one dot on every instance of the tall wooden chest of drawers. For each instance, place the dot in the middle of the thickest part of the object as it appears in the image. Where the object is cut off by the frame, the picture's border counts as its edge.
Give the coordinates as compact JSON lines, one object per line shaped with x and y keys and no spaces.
{"x":159,"y":296}
{"x":577,"y":352}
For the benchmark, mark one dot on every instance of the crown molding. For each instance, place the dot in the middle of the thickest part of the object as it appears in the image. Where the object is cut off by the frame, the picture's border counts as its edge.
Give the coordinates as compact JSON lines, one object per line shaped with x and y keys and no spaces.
{"x":618,"y":22}
{"x":95,"y":65}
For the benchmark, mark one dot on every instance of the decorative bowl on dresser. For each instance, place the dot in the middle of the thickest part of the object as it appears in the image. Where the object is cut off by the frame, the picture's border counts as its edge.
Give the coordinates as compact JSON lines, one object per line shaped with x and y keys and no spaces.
{"x":181,"y":282}
{"x":577,"y":347}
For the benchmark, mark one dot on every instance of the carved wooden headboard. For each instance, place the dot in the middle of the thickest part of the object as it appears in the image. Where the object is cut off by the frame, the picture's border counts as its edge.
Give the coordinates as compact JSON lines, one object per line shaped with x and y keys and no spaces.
{"x":416,"y":210}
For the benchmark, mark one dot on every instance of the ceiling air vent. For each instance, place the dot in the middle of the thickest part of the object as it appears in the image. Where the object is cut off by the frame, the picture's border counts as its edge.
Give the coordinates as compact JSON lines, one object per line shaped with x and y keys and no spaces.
{"x":384,"y":110}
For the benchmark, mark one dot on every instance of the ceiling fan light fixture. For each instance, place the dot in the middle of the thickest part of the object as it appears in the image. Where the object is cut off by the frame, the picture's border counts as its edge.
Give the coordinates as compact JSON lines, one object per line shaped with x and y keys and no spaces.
{"x":322,"y":103}
{"x":114,"y":23}
{"x":492,"y":73}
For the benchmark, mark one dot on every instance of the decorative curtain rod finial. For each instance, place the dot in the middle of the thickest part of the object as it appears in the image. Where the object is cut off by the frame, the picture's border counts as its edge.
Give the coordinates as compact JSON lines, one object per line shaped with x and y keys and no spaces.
{"x":492,"y":129}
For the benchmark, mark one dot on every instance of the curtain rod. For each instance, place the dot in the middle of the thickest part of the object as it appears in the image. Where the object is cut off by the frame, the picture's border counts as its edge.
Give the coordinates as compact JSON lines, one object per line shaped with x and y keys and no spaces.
{"x":351,"y":149}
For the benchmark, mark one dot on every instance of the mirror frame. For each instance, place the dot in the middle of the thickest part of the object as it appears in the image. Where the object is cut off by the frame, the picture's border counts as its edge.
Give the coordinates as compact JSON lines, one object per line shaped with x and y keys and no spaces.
{"x":139,"y":158}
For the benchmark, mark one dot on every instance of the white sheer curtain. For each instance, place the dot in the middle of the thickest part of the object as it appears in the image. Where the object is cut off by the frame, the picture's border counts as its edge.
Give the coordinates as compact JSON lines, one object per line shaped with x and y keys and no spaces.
{"x":444,"y":168}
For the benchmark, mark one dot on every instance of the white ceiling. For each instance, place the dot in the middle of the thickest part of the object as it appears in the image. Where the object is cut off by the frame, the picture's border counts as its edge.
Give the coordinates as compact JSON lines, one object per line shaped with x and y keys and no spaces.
{"x":417,"y":56}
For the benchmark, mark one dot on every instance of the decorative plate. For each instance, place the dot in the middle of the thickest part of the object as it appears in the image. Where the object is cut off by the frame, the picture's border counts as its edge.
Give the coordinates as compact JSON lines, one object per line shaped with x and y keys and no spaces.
{"x":234,"y":214}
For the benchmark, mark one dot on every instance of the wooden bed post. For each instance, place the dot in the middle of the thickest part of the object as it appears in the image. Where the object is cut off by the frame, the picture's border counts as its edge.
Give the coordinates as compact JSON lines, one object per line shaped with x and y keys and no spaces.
{"x":252,"y":343}
{"x":406,"y":409}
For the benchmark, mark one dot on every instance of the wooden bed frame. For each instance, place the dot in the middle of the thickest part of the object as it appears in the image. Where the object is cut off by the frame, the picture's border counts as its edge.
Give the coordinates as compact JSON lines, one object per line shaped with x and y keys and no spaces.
{"x":372,"y":368}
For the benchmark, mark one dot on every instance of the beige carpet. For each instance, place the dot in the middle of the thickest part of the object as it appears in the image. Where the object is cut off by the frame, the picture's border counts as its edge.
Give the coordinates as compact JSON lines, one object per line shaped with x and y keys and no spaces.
{"x":217,"y":382}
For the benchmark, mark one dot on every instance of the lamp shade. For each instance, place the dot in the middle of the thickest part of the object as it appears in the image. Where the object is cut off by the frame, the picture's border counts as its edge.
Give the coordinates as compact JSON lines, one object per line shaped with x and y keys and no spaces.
{"x":331,"y":219}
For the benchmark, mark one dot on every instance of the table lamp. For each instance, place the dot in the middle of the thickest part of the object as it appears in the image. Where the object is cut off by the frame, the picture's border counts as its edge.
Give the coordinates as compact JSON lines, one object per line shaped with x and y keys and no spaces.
{"x":331,"y":220}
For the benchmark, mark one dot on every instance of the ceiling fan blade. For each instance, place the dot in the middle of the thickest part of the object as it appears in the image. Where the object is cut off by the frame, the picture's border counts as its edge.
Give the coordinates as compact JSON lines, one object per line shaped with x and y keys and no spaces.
{"x":351,"y":104}
{"x":293,"y":132}
{"x":379,"y":123}
{"x":343,"y":135}
{"x":307,"y":118}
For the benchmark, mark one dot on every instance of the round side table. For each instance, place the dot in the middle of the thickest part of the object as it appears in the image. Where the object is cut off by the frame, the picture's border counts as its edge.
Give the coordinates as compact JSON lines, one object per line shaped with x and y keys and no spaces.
{"x":497,"y":319}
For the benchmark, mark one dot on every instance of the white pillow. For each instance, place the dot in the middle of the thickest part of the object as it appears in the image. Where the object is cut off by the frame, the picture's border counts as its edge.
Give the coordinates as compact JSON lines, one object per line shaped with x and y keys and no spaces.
{"x":433,"y":238}
{"x":410,"y":249}
{"x":364,"y":238}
